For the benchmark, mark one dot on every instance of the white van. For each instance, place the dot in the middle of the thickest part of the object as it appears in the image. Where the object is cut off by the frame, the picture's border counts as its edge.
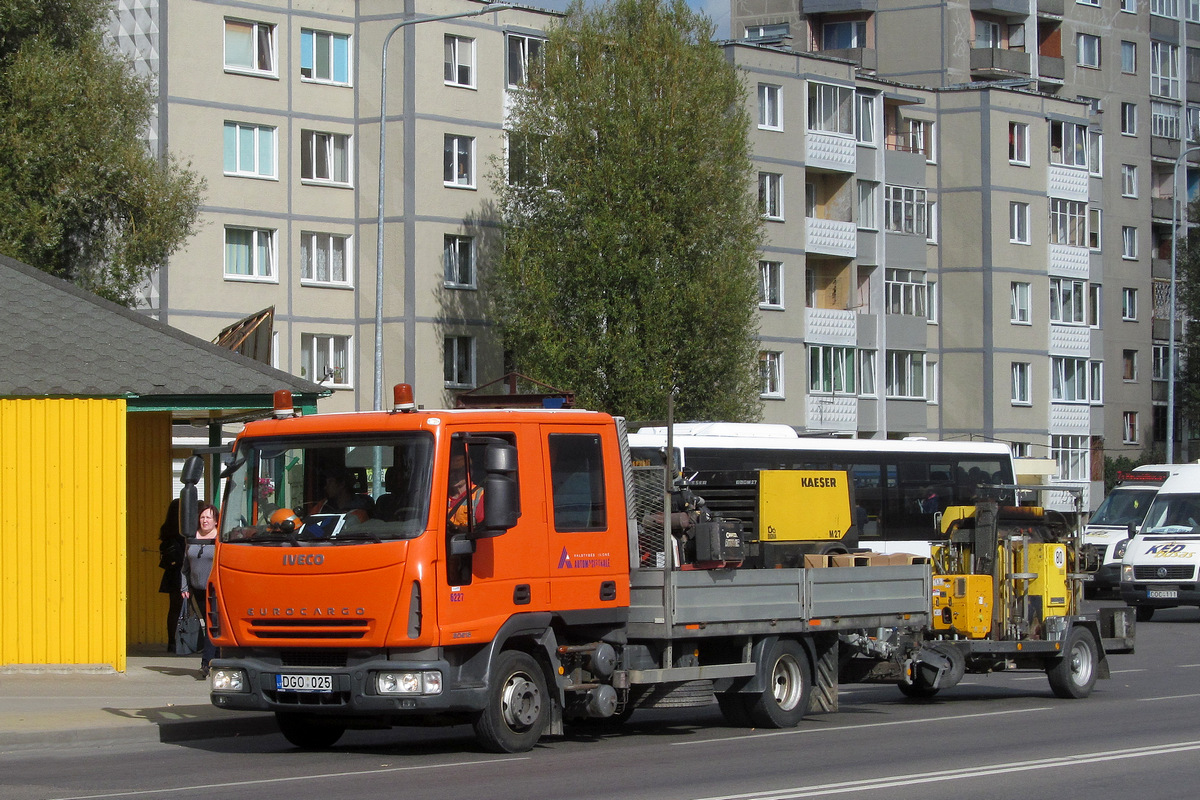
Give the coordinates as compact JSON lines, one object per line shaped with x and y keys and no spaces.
{"x":1119,"y":517}
{"x":1160,"y":566}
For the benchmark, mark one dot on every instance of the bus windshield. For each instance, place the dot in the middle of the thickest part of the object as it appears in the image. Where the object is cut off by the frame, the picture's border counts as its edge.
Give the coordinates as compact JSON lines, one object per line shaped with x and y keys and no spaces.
{"x":291,"y":491}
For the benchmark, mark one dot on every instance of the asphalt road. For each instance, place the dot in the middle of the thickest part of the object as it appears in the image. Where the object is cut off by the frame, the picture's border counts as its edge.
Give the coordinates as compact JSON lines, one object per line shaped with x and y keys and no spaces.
{"x":1000,"y":736}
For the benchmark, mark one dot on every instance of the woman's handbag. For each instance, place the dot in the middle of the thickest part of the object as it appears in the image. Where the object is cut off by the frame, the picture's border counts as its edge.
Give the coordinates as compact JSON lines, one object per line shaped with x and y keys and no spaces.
{"x":189,"y":632}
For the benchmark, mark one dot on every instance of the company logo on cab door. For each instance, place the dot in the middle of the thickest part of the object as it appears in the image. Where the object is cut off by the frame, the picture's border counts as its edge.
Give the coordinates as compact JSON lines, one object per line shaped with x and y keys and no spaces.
{"x":315,"y":611}
{"x":583,"y":560}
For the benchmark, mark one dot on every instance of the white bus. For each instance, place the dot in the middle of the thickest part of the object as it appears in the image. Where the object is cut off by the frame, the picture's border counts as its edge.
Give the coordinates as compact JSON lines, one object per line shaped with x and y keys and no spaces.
{"x":901,"y":486}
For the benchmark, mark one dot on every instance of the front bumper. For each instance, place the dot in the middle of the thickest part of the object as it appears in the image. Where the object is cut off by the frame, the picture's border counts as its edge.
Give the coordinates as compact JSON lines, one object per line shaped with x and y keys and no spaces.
{"x":1156,"y":595}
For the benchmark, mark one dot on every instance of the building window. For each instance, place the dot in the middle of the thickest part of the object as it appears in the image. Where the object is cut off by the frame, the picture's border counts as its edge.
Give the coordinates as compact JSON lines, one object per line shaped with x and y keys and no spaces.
{"x":770,"y":366}
{"x":931,"y":292}
{"x":1164,"y":119}
{"x":1164,"y":8}
{"x":1087,"y":50}
{"x":987,"y":34}
{"x":1164,"y":70}
{"x":920,"y":138}
{"x":904,"y":209}
{"x":1095,"y":150}
{"x":323,"y":257}
{"x":1128,"y":180}
{"x":325,"y":57}
{"x":1018,"y":303}
{"x":1129,"y":310}
{"x":770,"y":287}
{"x":249,"y":47}
{"x":325,"y":359}
{"x":844,"y":35}
{"x":931,"y":221}
{"x":1192,"y":10}
{"x":867,"y":192}
{"x":931,"y":382}
{"x":1068,"y":379}
{"x":770,"y":115}
{"x":460,"y":61}
{"x":250,"y":253}
{"x":1068,"y":144}
{"x":1129,"y":242}
{"x":830,"y":108}
{"x":1129,"y":6}
{"x":1160,"y":357}
{"x":325,"y":157}
{"x":1020,"y":384}
{"x":1193,"y":124}
{"x":1129,"y":119}
{"x":458,"y":161}
{"x":1129,"y":427}
{"x":1018,"y":223}
{"x":1018,"y":143}
{"x":905,"y":375}
{"x":1068,"y":222}
{"x":865,"y":123}
{"x":1094,"y":228}
{"x":1095,"y":292}
{"x":458,"y":258}
{"x":831,"y":369}
{"x":905,"y":292}
{"x":1067,"y":299}
{"x":1096,"y":382}
{"x":1129,"y":366}
{"x":866,"y":373}
{"x":522,"y":50}
{"x":250,"y":150}
{"x":1129,"y":58}
{"x":770,"y":195}
{"x":458,"y":361}
{"x":1071,"y":455}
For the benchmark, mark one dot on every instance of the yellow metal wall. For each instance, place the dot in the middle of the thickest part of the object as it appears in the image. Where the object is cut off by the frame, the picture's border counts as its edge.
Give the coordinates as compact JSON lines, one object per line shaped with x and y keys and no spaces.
{"x":149,"y":456}
{"x":62,"y":552}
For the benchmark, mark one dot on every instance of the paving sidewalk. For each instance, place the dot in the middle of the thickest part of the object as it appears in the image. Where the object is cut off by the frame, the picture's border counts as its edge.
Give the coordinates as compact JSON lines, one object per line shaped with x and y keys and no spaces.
{"x":160,"y":697}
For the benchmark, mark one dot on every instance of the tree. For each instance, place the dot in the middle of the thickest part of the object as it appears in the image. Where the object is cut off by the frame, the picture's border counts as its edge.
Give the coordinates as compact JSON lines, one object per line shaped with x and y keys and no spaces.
{"x":631,"y":234}
{"x":83,"y":198}
{"x":1187,"y":348}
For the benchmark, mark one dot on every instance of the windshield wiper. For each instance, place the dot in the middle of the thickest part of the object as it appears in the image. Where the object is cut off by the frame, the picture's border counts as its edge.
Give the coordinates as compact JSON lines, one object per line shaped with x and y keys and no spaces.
{"x":345,"y":536}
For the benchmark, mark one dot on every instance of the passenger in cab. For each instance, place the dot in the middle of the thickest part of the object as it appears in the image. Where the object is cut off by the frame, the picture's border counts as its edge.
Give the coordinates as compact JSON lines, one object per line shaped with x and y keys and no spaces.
{"x":341,"y":499}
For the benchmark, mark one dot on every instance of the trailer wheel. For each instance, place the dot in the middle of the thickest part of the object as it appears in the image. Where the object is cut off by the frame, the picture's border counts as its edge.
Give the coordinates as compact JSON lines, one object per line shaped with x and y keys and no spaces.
{"x":789,"y":678}
{"x":1145,"y":613}
{"x":515,"y":714}
{"x":917,"y":691}
{"x":307,"y":731}
{"x":1074,"y":674}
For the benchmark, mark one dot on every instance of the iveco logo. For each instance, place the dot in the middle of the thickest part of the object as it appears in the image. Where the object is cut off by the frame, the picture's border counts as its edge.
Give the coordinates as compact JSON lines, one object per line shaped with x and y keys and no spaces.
{"x":303,"y":558}
{"x":1162,"y":572}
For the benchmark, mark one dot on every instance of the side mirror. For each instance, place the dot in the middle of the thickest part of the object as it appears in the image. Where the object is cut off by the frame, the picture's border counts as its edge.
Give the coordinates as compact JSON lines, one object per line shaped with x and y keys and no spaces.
{"x":189,"y":512}
{"x":500,"y":496}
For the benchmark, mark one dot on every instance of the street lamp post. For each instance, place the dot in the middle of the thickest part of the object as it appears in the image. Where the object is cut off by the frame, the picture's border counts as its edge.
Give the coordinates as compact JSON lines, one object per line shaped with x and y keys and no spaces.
{"x":378,"y":398}
{"x":1171,"y":310}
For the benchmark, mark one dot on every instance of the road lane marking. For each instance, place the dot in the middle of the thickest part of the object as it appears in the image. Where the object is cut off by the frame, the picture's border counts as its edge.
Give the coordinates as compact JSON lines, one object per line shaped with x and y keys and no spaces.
{"x":291,"y":778}
{"x":839,"y":728}
{"x":1123,"y":671}
{"x":1001,"y":768}
{"x":1167,"y":697}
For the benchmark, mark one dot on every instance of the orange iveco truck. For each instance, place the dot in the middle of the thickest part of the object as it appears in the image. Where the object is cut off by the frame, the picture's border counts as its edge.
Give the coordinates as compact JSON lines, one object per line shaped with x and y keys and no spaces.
{"x":515,"y":570}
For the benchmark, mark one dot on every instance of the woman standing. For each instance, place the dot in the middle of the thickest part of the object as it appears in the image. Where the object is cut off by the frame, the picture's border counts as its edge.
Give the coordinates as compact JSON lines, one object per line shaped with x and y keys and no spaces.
{"x":194,"y":580}
{"x":170,"y":560}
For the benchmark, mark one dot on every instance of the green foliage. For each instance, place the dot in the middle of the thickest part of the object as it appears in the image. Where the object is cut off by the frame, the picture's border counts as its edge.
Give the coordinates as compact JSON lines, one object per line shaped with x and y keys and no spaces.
{"x":1112,"y":466}
{"x":1187,"y":348}
{"x":631,"y":234}
{"x":84,"y":198}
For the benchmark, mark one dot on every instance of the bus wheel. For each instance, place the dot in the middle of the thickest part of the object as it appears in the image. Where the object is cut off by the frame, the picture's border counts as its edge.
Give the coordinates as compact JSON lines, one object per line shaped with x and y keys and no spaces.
{"x":307,"y":731}
{"x":784,"y":701}
{"x":1074,"y":674}
{"x":516,"y":710}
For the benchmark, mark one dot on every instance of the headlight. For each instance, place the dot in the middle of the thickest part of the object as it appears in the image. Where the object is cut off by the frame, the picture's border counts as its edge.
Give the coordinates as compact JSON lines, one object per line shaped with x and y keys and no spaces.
{"x":229,"y":680}
{"x":1119,"y":549}
{"x":1127,"y":572}
{"x":415,"y":682}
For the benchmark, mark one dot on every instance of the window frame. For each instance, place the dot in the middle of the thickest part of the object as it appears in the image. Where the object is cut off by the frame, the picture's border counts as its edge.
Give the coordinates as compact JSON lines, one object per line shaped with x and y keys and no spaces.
{"x":1069,"y":380}
{"x":312,"y":240}
{"x":310,"y":50}
{"x":771,"y":374}
{"x":770,"y":285}
{"x":1068,"y":301}
{"x":832,"y":370}
{"x":256,"y":54}
{"x":453,"y":63}
{"x":517,"y":49}
{"x":904,"y":375}
{"x":452,"y":152}
{"x":256,"y":248}
{"x":770,"y":107}
{"x":904,"y":209}
{"x":1018,"y":143}
{"x":1019,"y":223}
{"x":1129,"y":186}
{"x":1129,"y":119}
{"x":258,"y":131}
{"x":1128,"y":57}
{"x":308,"y":358}
{"x":906,"y":290}
{"x":453,"y":349}
{"x":1087,"y":50}
{"x":453,"y":246}
{"x":1129,"y":242}
{"x":1129,"y":304}
{"x":1068,"y":222}
{"x":1020,"y":393}
{"x":314,"y":143}
{"x":830,"y":109}
{"x":1020,"y":302}
{"x":1129,"y":428}
{"x":770,"y":196}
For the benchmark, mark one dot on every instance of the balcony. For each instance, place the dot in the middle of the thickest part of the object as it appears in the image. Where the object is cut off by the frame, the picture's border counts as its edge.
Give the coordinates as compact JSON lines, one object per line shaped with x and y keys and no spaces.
{"x":831,"y":326}
{"x":1050,"y":8}
{"x":995,"y":62}
{"x":835,"y":6}
{"x":830,"y":237}
{"x":1069,"y":261}
{"x":1052,"y":68}
{"x":1160,"y":208}
{"x":1005,"y":8}
{"x":830,"y":412}
{"x":866,"y":57}
{"x":1069,"y":183}
{"x":830,"y":151}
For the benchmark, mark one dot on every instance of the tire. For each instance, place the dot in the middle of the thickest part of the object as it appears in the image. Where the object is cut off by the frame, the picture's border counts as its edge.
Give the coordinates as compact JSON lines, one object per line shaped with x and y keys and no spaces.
{"x":734,"y":709}
{"x":917,"y":691}
{"x":1074,"y":674}
{"x":1145,"y":613}
{"x":784,"y":701}
{"x":308,"y":732}
{"x":517,"y":705}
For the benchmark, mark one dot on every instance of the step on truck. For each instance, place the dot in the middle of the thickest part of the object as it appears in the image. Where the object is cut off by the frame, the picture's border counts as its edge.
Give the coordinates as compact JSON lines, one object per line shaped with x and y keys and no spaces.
{"x":513,"y":570}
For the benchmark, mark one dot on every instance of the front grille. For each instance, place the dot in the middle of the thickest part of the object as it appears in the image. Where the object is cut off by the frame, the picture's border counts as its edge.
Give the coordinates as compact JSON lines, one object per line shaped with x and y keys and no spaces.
{"x":333,"y":659}
{"x":1171,"y":572}
{"x":309,"y":628}
{"x":308,"y":698}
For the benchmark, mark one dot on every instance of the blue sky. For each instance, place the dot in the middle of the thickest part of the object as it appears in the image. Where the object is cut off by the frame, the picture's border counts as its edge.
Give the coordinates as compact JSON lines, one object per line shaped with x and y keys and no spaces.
{"x":717,"y":10}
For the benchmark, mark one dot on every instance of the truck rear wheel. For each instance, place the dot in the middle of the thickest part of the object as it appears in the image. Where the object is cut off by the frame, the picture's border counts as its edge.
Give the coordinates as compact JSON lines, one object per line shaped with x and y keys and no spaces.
{"x":307,"y":731}
{"x":1074,"y":674}
{"x":784,"y":701}
{"x":515,"y":715}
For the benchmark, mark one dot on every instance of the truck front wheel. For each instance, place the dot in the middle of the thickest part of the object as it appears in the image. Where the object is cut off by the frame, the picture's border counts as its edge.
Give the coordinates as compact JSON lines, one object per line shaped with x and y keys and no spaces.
{"x":515,"y":715}
{"x":1074,"y":674}
{"x":784,"y":700}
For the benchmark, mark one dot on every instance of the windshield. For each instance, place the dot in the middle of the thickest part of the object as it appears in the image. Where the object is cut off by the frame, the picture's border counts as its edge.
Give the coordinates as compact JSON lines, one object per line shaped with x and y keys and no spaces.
{"x":1174,"y":514}
{"x":1123,"y":507}
{"x":292,"y":491}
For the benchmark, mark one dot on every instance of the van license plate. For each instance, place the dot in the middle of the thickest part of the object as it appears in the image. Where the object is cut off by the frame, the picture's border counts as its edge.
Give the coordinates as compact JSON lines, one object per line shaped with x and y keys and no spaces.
{"x":1162,"y":594}
{"x":304,"y":683}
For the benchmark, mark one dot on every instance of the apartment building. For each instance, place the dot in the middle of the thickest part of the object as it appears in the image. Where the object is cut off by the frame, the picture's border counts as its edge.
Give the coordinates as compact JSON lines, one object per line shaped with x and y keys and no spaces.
{"x":1095,"y":310}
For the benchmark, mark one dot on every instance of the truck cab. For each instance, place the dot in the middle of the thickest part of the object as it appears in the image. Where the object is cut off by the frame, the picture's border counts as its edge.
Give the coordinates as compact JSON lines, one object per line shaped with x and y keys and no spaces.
{"x":1118,"y":517}
{"x":1160,"y":565}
